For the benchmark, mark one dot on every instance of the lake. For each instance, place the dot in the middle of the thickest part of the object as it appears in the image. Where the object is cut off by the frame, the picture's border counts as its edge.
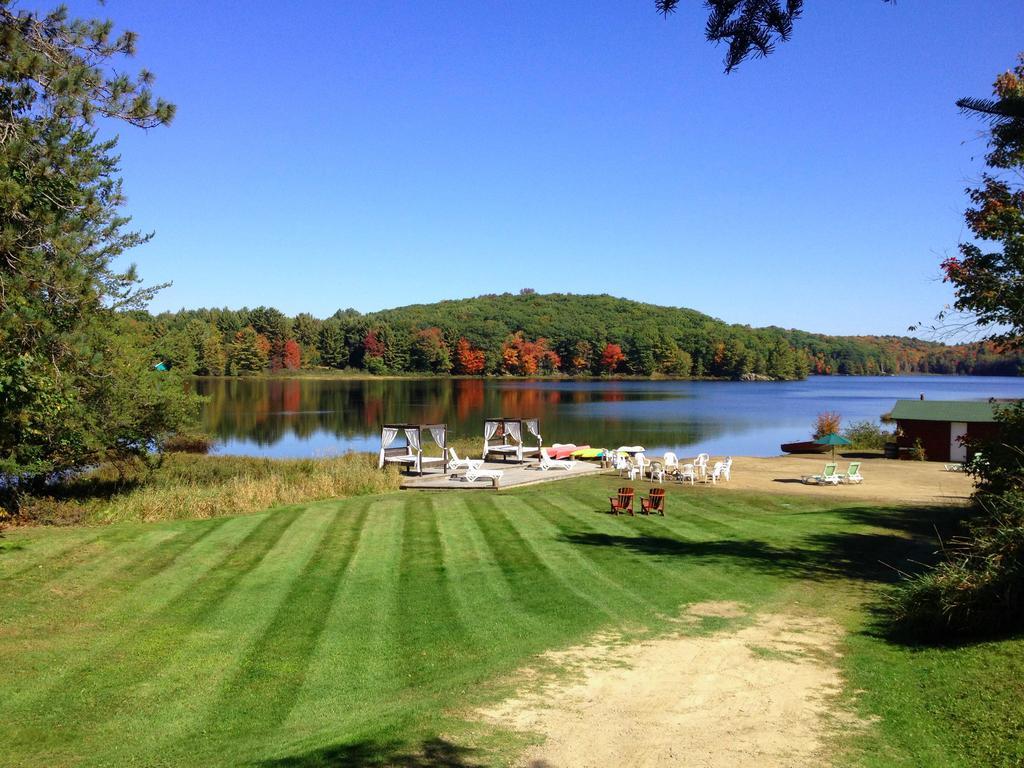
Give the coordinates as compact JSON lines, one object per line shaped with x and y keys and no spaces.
{"x":308,"y":417}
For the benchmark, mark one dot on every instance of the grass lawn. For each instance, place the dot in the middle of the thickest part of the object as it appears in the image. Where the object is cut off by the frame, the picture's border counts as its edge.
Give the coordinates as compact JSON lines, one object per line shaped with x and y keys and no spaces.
{"x":354,"y":632}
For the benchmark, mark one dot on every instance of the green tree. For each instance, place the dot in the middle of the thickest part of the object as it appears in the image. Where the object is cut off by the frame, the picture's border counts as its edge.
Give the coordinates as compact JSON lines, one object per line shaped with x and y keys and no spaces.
{"x":248,"y":353}
{"x":989,"y":284}
{"x":331,"y":344}
{"x":64,"y":339}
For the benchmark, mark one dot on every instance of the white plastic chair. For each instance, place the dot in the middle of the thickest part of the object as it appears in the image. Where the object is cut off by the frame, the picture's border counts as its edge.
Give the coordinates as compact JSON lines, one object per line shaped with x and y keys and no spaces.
{"x":700,"y":465}
{"x":657,"y":472}
{"x":716,"y":472}
{"x":671,"y":462}
{"x":727,"y":468}
{"x":642,"y":465}
{"x":686,"y":472}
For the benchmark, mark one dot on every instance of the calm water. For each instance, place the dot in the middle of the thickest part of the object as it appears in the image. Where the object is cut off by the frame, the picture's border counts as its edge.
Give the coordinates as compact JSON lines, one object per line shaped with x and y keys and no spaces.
{"x":301,"y":417}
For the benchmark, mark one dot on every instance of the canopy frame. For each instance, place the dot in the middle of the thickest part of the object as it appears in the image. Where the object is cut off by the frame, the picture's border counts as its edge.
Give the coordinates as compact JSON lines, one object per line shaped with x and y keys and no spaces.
{"x":409,"y":451}
{"x":507,"y":437}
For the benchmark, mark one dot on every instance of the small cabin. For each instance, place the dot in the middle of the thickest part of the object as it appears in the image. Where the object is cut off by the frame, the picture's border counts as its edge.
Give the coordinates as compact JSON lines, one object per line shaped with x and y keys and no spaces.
{"x":943,"y":426}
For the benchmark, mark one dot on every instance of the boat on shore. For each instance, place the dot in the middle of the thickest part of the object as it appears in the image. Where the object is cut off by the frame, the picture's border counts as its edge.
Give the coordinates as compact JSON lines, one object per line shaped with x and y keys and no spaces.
{"x":804,"y":446}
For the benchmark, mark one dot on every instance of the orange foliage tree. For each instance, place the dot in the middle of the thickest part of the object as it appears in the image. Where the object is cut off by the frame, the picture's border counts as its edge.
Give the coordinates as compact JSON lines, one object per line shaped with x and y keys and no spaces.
{"x":611,"y":358}
{"x":292,"y":357}
{"x":469,"y":361}
{"x":826,"y":423}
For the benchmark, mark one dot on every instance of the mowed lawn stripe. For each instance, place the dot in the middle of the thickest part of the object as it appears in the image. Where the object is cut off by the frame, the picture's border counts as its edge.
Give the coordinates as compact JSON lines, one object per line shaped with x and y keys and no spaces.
{"x":98,"y":690}
{"x":535,"y":590}
{"x":652,"y":583}
{"x":252,"y":687}
{"x":427,"y":616}
{"x":483,"y":595}
{"x":54,"y":648}
{"x":181,"y":692}
{"x":575,"y":565}
{"x":353,"y":674}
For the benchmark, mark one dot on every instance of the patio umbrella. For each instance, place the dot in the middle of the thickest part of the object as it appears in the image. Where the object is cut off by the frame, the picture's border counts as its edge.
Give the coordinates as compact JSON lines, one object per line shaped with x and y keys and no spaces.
{"x":832,"y":439}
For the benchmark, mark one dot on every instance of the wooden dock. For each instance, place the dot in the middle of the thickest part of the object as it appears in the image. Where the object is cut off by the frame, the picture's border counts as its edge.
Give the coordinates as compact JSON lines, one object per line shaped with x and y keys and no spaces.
{"x":515,"y":476}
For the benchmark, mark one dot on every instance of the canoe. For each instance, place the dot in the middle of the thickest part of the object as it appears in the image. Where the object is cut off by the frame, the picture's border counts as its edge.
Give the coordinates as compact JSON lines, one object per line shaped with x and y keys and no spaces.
{"x":565,"y":451}
{"x":805,"y":446}
{"x":588,"y":453}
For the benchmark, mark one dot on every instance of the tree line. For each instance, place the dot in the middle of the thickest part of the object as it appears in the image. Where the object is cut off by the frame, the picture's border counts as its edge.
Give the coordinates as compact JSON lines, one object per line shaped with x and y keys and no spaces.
{"x":530,"y":334}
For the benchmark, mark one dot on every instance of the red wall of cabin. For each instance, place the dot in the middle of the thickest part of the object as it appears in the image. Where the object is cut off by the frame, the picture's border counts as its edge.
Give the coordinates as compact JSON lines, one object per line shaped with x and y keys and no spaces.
{"x":934,"y":436}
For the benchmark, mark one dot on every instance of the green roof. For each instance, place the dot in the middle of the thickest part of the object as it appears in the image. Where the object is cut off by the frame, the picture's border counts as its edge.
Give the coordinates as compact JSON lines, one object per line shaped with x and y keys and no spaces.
{"x":944,"y":410}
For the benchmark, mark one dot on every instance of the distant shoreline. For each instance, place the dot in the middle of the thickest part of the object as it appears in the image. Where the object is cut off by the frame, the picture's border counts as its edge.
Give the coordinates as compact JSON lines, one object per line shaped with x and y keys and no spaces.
{"x":329,"y":374}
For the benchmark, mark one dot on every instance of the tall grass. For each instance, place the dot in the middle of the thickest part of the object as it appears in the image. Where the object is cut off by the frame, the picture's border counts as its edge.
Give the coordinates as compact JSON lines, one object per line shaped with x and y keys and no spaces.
{"x":188,"y":486}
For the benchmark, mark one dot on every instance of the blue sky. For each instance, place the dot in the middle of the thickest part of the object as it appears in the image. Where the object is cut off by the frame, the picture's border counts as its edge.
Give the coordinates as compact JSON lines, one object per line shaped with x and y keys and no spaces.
{"x":335,"y":154}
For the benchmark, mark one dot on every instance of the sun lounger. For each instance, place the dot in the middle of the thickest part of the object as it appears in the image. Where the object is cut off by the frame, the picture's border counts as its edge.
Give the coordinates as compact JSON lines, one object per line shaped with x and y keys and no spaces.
{"x":852,"y":474}
{"x":827,"y":477}
{"x":456,"y":463}
{"x":478,"y":473}
{"x":546,"y":462}
{"x":623,"y":502}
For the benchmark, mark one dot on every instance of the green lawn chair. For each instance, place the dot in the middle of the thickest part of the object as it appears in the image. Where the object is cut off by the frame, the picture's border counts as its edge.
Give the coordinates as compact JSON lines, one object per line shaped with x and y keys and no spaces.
{"x":853,"y":474}
{"x":827,"y":477}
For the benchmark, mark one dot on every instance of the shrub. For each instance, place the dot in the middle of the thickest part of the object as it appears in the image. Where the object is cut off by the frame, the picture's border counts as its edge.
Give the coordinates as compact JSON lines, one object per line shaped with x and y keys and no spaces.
{"x":867,"y":435}
{"x":188,"y":442}
{"x":917,"y":451}
{"x":826,"y":423}
{"x":978,"y":588}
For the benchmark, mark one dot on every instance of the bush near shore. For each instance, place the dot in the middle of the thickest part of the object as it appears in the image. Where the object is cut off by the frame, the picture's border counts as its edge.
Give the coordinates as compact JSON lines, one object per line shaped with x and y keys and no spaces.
{"x":191,"y":486}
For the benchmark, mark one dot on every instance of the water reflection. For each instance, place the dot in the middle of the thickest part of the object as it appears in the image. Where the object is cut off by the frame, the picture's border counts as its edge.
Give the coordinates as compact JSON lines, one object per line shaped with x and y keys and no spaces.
{"x":304,"y":417}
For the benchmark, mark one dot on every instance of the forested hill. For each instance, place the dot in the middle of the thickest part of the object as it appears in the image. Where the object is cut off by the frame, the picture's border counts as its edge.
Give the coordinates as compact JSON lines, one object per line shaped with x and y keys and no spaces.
{"x":541,"y":334}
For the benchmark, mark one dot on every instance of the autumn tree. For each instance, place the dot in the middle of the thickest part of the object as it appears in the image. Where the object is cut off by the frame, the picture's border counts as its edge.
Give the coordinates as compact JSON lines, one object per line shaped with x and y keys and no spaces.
{"x":292,"y":357}
{"x":429,"y":352}
{"x":611,"y":358}
{"x":469,"y":361}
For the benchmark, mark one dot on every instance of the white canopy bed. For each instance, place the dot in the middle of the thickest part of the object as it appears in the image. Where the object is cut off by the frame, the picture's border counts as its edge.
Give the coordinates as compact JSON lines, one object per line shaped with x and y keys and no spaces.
{"x":408,"y":453}
{"x":506,"y":438}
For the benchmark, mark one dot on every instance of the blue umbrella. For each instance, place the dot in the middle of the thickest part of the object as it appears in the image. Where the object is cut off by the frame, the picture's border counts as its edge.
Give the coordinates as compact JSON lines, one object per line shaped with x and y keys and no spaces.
{"x":832,"y":439}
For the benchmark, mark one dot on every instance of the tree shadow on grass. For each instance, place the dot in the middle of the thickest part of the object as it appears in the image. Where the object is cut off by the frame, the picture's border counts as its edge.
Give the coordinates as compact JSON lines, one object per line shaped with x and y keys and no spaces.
{"x":892,"y":542}
{"x":432,"y":753}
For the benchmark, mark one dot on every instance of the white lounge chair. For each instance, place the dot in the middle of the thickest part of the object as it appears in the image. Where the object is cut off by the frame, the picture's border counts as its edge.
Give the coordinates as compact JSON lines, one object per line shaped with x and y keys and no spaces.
{"x":478,"y":473}
{"x":456,"y":463}
{"x":546,"y":462}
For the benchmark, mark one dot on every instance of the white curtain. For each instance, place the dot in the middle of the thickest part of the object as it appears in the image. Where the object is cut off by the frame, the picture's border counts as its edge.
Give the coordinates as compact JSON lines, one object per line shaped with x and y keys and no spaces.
{"x":534,"y":429}
{"x":490,"y":427}
{"x":438,"y":433}
{"x":516,"y":433}
{"x":413,"y":436}
{"x":387,"y":437}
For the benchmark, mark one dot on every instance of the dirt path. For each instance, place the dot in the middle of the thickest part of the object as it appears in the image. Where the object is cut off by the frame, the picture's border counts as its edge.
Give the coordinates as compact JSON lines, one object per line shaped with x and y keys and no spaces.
{"x":885,"y":480}
{"x":760,"y":696}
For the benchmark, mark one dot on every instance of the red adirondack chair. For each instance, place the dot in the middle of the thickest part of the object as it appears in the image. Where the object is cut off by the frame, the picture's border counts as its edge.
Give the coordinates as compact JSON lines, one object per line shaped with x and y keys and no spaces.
{"x":655,"y":503}
{"x":623,"y":502}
